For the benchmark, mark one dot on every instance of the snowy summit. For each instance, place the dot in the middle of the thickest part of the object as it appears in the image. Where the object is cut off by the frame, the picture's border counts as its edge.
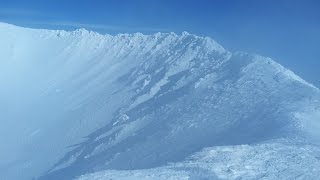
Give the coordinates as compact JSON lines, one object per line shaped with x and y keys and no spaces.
{"x":81,"y":105}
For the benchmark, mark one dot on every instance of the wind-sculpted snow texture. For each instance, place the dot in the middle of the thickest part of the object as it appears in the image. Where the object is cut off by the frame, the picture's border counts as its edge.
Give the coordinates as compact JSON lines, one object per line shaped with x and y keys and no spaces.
{"x":143,"y":106}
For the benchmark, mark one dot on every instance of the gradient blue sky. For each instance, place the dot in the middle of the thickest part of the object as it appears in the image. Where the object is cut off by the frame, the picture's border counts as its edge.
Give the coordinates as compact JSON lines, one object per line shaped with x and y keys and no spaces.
{"x":285,"y":30}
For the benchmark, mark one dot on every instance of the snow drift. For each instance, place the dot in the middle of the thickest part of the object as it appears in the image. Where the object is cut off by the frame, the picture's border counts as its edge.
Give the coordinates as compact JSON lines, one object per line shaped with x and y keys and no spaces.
{"x":80,"y":102}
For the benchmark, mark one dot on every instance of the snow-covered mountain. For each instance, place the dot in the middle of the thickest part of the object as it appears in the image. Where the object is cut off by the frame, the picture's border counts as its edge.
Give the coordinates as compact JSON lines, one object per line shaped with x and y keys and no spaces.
{"x":150,"y":106}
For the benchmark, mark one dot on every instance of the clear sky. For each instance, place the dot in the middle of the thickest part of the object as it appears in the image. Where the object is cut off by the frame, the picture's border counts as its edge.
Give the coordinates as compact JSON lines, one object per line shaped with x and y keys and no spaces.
{"x":285,"y":30}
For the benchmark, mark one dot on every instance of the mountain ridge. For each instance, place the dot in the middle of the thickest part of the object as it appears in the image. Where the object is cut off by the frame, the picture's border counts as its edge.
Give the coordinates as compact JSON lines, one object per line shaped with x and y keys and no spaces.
{"x":84,"y":31}
{"x":103,"y":101}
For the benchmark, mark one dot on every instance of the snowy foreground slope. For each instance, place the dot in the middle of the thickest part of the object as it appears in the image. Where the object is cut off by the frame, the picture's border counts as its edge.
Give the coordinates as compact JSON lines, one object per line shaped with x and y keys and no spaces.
{"x":80,"y":105}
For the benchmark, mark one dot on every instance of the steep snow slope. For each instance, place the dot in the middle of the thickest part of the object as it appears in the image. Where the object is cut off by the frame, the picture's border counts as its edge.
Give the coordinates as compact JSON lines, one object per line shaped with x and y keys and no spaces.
{"x":79,"y":102}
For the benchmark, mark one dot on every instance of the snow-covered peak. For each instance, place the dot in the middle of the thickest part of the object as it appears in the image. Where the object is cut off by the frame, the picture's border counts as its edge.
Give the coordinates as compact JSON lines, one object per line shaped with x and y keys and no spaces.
{"x":290,"y":74}
{"x":278,"y":68}
{"x":84,"y":33}
{"x":144,"y":99}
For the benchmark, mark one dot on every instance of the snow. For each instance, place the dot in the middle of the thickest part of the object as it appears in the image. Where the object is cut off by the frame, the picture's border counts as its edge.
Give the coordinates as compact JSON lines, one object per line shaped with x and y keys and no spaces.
{"x":140,"y":106}
{"x":161,"y":174}
{"x":280,"y":159}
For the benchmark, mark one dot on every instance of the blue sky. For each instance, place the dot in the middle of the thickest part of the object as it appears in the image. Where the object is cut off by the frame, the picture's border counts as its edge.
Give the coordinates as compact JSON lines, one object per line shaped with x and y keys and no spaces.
{"x":285,"y":30}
